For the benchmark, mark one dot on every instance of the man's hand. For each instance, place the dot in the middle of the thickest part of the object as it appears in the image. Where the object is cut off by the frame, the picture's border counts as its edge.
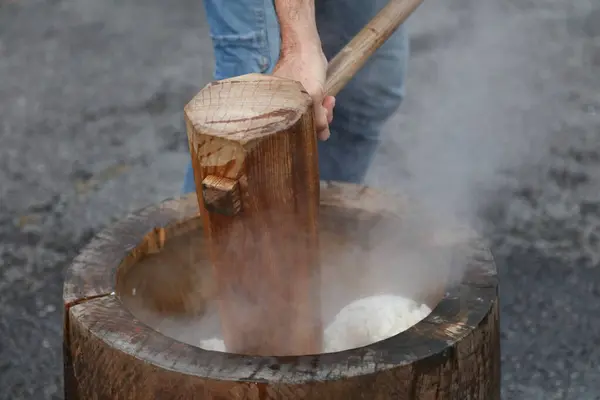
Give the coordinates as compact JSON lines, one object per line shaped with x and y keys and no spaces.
{"x":302,"y":57}
{"x":309,"y":67}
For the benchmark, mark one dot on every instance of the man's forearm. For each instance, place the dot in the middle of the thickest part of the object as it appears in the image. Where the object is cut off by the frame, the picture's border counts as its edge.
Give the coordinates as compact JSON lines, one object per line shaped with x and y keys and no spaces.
{"x":298,"y":25}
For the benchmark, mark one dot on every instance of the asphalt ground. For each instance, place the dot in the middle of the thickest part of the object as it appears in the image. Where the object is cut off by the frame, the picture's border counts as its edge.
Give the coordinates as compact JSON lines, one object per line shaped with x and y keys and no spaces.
{"x":501,"y":123}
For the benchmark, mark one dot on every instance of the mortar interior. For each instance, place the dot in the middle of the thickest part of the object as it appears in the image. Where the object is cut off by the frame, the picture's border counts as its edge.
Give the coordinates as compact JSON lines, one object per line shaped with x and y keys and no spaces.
{"x":363,"y":253}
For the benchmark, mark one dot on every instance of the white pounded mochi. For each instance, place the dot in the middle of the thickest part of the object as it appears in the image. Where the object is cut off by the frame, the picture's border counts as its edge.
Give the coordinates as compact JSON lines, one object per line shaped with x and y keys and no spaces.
{"x":372,"y":319}
{"x":360,"y":323}
{"x":213,"y":344}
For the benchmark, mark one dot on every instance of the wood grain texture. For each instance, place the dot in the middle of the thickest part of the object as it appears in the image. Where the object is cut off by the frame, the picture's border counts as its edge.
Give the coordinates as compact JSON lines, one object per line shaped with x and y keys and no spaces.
{"x":356,"y":53}
{"x":258,"y":132}
{"x":454,"y":353}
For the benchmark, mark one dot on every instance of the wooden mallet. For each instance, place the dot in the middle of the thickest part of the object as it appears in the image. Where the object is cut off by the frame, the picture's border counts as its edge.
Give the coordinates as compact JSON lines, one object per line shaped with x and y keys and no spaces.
{"x":254,"y":153}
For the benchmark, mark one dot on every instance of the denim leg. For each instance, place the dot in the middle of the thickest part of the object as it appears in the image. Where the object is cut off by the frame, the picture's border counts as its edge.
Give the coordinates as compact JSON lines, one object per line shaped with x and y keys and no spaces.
{"x":245,"y":38}
{"x":369,"y":99}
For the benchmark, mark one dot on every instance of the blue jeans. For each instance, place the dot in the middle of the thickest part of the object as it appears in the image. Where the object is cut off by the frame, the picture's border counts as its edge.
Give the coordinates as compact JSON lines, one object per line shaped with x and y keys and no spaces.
{"x":246,"y":39}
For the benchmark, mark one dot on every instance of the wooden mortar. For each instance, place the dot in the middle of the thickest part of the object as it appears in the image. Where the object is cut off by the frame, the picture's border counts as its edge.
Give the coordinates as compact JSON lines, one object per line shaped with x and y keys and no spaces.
{"x":254,"y":153}
{"x":111,"y":352}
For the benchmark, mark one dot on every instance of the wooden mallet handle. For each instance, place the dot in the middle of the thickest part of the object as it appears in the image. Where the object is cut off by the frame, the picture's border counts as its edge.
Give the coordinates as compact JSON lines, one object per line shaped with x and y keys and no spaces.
{"x":254,"y":153}
{"x":356,"y":53}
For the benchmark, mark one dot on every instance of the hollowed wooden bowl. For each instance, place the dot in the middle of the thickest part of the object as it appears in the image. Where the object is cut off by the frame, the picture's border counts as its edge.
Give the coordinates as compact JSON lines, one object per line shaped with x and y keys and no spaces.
{"x":152,"y":263}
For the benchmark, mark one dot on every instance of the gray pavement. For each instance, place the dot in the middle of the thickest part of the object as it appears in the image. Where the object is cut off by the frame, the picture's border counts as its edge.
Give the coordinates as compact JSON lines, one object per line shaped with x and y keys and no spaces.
{"x":501,"y":123}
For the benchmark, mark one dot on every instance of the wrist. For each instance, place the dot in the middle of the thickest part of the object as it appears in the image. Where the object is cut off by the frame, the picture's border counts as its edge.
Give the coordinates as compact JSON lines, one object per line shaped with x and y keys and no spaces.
{"x":295,"y":49}
{"x":298,"y":27}
{"x":300,"y":41}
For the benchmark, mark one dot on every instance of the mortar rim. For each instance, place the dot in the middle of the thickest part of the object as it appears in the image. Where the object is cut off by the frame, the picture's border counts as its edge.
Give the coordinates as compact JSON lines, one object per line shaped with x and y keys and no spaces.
{"x":459,"y":313}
